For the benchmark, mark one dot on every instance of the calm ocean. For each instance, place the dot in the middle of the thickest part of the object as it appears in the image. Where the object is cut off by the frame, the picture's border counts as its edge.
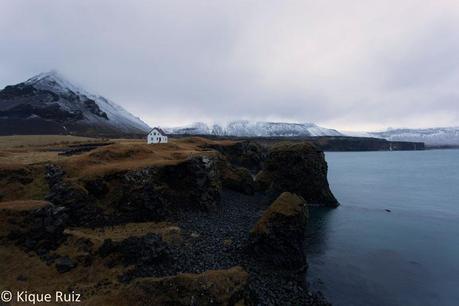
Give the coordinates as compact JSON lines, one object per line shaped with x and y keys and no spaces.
{"x":360,"y":254}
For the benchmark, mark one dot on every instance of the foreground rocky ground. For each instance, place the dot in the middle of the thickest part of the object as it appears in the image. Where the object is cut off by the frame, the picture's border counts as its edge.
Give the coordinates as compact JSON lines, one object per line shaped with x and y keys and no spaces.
{"x":180,"y":224}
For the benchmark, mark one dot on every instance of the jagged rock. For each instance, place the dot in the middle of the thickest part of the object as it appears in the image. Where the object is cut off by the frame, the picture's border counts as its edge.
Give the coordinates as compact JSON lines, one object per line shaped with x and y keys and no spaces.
{"x":43,"y":229}
{"x":80,"y":206}
{"x":53,"y":174}
{"x":236,"y":178}
{"x":299,"y":168}
{"x":145,"y":250}
{"x":153,"y":193}
{"x":67,"y":194}
{"x":214,"y":287}
{"x":195,"y":181}
{"x":278,"y":236}
{"x":65,"y":264}
{"x":248,"y":154}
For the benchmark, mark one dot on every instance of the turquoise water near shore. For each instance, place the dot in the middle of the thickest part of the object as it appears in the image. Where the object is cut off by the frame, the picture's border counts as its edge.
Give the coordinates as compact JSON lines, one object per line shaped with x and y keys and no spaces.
{"x":360,"y":254}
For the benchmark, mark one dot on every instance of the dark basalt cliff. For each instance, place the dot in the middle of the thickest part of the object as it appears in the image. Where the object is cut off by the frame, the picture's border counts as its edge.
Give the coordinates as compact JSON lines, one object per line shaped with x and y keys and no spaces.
{"x":299,"y":168}
{"x":222,"y":250}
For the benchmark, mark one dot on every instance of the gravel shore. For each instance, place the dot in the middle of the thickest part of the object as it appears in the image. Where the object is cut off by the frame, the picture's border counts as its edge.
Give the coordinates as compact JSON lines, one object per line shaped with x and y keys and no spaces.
{"x":218,"y":240}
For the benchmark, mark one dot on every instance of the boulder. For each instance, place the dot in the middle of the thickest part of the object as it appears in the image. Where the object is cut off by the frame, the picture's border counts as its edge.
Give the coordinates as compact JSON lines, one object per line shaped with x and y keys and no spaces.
{"x":298,"y":168}
{"x":236,"y":178}
{"x":279,"y":235}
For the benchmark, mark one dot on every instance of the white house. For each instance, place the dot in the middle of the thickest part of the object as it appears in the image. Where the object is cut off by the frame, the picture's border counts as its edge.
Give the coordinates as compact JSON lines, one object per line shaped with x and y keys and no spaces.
{"x":156,"y":135}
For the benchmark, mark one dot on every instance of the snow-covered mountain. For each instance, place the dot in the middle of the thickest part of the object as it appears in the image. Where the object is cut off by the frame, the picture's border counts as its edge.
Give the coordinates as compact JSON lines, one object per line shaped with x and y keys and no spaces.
{"x":48,"y":103}
{"x":431,"y":136}
{"x":245,"y":128}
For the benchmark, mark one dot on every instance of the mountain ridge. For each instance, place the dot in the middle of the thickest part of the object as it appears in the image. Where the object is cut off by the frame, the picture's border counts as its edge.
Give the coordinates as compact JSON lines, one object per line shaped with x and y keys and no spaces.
{"x":246,"y":128}
{"x":49,"y":103}
{"x":439,"y":136}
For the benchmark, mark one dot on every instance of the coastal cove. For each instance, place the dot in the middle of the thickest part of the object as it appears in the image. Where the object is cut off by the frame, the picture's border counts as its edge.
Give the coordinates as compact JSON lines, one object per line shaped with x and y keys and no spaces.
{"x":394,"y":239}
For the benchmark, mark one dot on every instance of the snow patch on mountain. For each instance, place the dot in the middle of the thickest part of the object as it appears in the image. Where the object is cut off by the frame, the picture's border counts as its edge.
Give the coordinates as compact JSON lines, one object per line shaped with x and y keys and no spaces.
{"x":118,"y":117}
{"x":431,"y":136}
{"x":245,"y":128}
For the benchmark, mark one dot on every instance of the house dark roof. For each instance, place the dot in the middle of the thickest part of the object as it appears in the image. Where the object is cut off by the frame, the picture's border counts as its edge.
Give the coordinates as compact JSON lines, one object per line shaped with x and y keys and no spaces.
{"x":159,"y":130}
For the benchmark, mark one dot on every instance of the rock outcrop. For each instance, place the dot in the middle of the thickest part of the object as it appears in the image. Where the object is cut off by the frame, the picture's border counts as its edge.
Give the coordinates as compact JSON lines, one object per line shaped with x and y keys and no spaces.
{"x":299,"y":168}
{"x":248,"y":154}
{"x":278,"y":236}
{"x":156,"y":192}
{"x":236,"y":178}
{"x":146,"y":194}
{"x":42,"y":230}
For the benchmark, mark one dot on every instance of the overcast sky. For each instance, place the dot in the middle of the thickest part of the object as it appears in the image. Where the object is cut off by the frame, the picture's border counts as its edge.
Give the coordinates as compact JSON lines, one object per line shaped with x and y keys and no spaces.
{"x":350,"y":65}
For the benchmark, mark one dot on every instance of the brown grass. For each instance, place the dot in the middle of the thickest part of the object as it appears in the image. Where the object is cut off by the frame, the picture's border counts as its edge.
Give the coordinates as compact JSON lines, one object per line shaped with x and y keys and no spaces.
{"x":170,"y":232}
{"x":43,"y":278}
{"x":131,"y":155}
{"x":12,"y":189}
{"x":218,"y":286}
{"x":23,"y":205}
{"x":20,"y":141}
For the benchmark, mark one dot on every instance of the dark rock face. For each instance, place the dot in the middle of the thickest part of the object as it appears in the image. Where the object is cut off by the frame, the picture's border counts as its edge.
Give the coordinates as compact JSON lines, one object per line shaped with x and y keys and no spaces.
{"x":153,"y":193}
{"x":43,"y":229}
{"x":80,"y":206}
{"x":53,"y":174}
{"x":19,"y":90}
{"x":195,"y":181}
{"x":50,"y":105}
{"x":299,"y":168}
{"x":148,"y":194}
{"x":92,"y":106}
{"x":236,"y":178}
{"x":52,"y":111}
{"x":278,"y":237}
{"x":248,"y":154}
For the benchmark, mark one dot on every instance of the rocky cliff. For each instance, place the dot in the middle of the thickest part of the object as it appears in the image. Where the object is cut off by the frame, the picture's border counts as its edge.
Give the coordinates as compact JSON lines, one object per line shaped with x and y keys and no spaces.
{"x":176,"y":223}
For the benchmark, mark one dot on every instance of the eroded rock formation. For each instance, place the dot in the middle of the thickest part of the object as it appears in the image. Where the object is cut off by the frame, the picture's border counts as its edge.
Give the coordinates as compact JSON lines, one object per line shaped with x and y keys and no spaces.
{"x":299,"y":168}
{"x":278,"y":237}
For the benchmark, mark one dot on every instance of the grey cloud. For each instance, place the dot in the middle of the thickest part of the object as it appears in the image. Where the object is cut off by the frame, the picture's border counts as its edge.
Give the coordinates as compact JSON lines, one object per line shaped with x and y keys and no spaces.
{"x":347,"y":65}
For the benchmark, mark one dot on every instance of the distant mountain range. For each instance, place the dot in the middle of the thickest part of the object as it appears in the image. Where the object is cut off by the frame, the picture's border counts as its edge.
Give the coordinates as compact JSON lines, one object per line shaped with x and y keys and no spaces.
{"x":431,"y":137}
{"x":49,"y":104}
{"x":245,"y":128}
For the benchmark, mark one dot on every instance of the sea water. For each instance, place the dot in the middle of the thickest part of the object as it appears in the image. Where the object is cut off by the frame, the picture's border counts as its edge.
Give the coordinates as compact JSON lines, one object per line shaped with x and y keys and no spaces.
{"x":395,"y":238}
